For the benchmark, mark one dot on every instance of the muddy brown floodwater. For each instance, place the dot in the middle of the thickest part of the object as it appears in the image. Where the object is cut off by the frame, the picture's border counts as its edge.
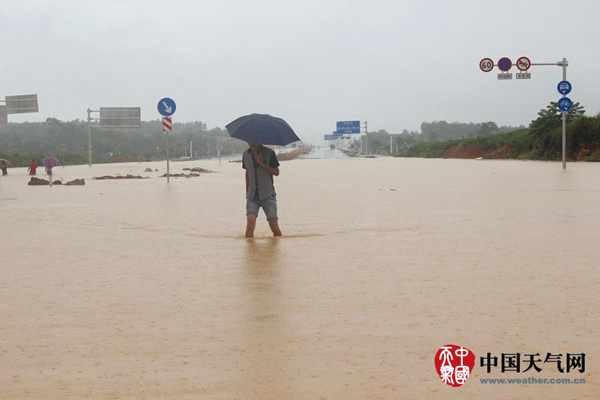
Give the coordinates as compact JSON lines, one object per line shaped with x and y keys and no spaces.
{"x":139,"y":289}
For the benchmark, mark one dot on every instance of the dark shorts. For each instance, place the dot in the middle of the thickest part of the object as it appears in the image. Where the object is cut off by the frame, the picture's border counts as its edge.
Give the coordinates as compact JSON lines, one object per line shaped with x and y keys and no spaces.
{"x":269,"y":206}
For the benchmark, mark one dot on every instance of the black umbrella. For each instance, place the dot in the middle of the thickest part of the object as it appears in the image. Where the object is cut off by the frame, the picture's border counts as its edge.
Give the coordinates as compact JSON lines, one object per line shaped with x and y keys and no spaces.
{"x":262,"y":129}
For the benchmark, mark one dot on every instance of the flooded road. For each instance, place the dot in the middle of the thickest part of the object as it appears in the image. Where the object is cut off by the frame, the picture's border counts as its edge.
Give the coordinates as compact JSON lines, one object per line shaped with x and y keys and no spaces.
{"x":323,"y":152}
{"x":135,"y":289}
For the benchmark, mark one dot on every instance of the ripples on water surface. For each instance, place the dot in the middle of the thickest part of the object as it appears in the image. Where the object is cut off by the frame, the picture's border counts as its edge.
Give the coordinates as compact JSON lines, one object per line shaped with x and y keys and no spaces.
{"x":139,"y":289}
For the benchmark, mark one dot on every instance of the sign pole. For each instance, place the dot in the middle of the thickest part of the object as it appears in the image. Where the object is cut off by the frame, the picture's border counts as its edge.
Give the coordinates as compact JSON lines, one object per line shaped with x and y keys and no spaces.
{"x":167,"y":126}
{"x":166,"y":107}
{"x":564,"y":121}
{"x":524,"y":64}
{"x":168,"y":172}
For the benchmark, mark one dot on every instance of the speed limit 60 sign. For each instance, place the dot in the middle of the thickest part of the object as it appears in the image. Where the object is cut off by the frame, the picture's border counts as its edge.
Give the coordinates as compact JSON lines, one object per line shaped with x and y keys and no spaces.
{"x":486,"y":64}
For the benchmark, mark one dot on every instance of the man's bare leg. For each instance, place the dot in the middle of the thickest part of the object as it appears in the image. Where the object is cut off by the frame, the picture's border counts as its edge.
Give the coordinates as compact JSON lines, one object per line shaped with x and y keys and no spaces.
{"x":250,"y":225}
{"x":274,"y":225}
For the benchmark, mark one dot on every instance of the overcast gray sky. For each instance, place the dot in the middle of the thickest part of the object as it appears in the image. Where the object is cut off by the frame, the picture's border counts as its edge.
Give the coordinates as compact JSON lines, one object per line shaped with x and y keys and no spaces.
{"x":394,"y":64}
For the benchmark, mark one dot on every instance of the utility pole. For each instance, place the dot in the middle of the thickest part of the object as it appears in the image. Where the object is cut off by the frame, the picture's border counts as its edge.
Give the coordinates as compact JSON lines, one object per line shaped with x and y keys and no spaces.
{"x":219,"y":146}
{"x":367,"y":137}
{"x":366,"y":145}
{"x":89,"y":129}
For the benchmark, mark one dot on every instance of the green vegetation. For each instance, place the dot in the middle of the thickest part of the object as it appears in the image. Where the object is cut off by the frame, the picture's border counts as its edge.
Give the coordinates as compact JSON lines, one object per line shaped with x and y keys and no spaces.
{"x":68,"y":141}
{"x":518,"y":140}
{"x":21,"y":142}
{"x":436,"y":131}
{"x":541,"y":141}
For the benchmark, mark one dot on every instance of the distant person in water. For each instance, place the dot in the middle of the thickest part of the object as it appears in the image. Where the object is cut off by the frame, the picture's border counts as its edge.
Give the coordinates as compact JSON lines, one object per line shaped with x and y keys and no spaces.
{"x":32,"y":168}
{"x":49,"y":172}
{"x":261,"y":165}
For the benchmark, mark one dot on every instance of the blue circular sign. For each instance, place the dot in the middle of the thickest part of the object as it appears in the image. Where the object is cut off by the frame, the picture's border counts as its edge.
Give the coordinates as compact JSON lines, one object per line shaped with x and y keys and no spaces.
{"x":564,"y":87}
{"x":565,"y":104}
{"x":166,"y":107}
{"x":504,"y":64}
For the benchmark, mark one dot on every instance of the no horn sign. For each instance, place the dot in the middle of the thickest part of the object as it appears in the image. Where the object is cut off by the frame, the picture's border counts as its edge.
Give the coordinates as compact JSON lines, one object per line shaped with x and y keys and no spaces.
{"x":523,"y":64}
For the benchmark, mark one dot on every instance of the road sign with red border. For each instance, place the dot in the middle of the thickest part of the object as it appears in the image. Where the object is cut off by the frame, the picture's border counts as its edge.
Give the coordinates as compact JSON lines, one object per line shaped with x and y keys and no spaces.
{"x":504,"y":64}
{"x":167,"y":124}
{"x":486,"y":64}
{"x":523,"y":64}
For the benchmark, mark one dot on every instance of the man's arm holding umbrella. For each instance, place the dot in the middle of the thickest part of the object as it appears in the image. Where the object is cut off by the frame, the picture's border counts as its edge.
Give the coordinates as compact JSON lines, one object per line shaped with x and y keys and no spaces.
{"x":271,"y":170}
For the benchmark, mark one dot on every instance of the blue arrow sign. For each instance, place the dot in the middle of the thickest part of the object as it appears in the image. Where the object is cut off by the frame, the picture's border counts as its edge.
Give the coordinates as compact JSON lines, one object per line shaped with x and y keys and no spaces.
{"x":166,"y":107}
{"x":565,"y":104}
{"x":564,"y":87}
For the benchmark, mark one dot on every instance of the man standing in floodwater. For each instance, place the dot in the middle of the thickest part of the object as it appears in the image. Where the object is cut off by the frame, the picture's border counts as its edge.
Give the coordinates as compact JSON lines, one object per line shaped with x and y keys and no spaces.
{"x":261,"y":165}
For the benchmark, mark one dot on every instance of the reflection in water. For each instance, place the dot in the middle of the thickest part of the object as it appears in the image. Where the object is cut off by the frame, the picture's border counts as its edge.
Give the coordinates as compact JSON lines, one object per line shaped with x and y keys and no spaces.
{"x":268,"y":368}
{"x":262,"y":274}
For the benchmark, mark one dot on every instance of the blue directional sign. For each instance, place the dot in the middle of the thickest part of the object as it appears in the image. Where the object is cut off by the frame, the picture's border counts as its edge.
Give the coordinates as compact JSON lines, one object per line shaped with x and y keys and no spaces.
{"x":343,"y":127}
{"x":565,"y":104}
{"x":564,"y":87}
{"x":329,"y":137}
{"x":166,"y":107}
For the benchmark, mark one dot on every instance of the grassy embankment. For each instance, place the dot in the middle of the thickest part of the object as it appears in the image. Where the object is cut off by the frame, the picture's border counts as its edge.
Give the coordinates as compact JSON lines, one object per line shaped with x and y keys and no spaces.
{"x":583,"y":144}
